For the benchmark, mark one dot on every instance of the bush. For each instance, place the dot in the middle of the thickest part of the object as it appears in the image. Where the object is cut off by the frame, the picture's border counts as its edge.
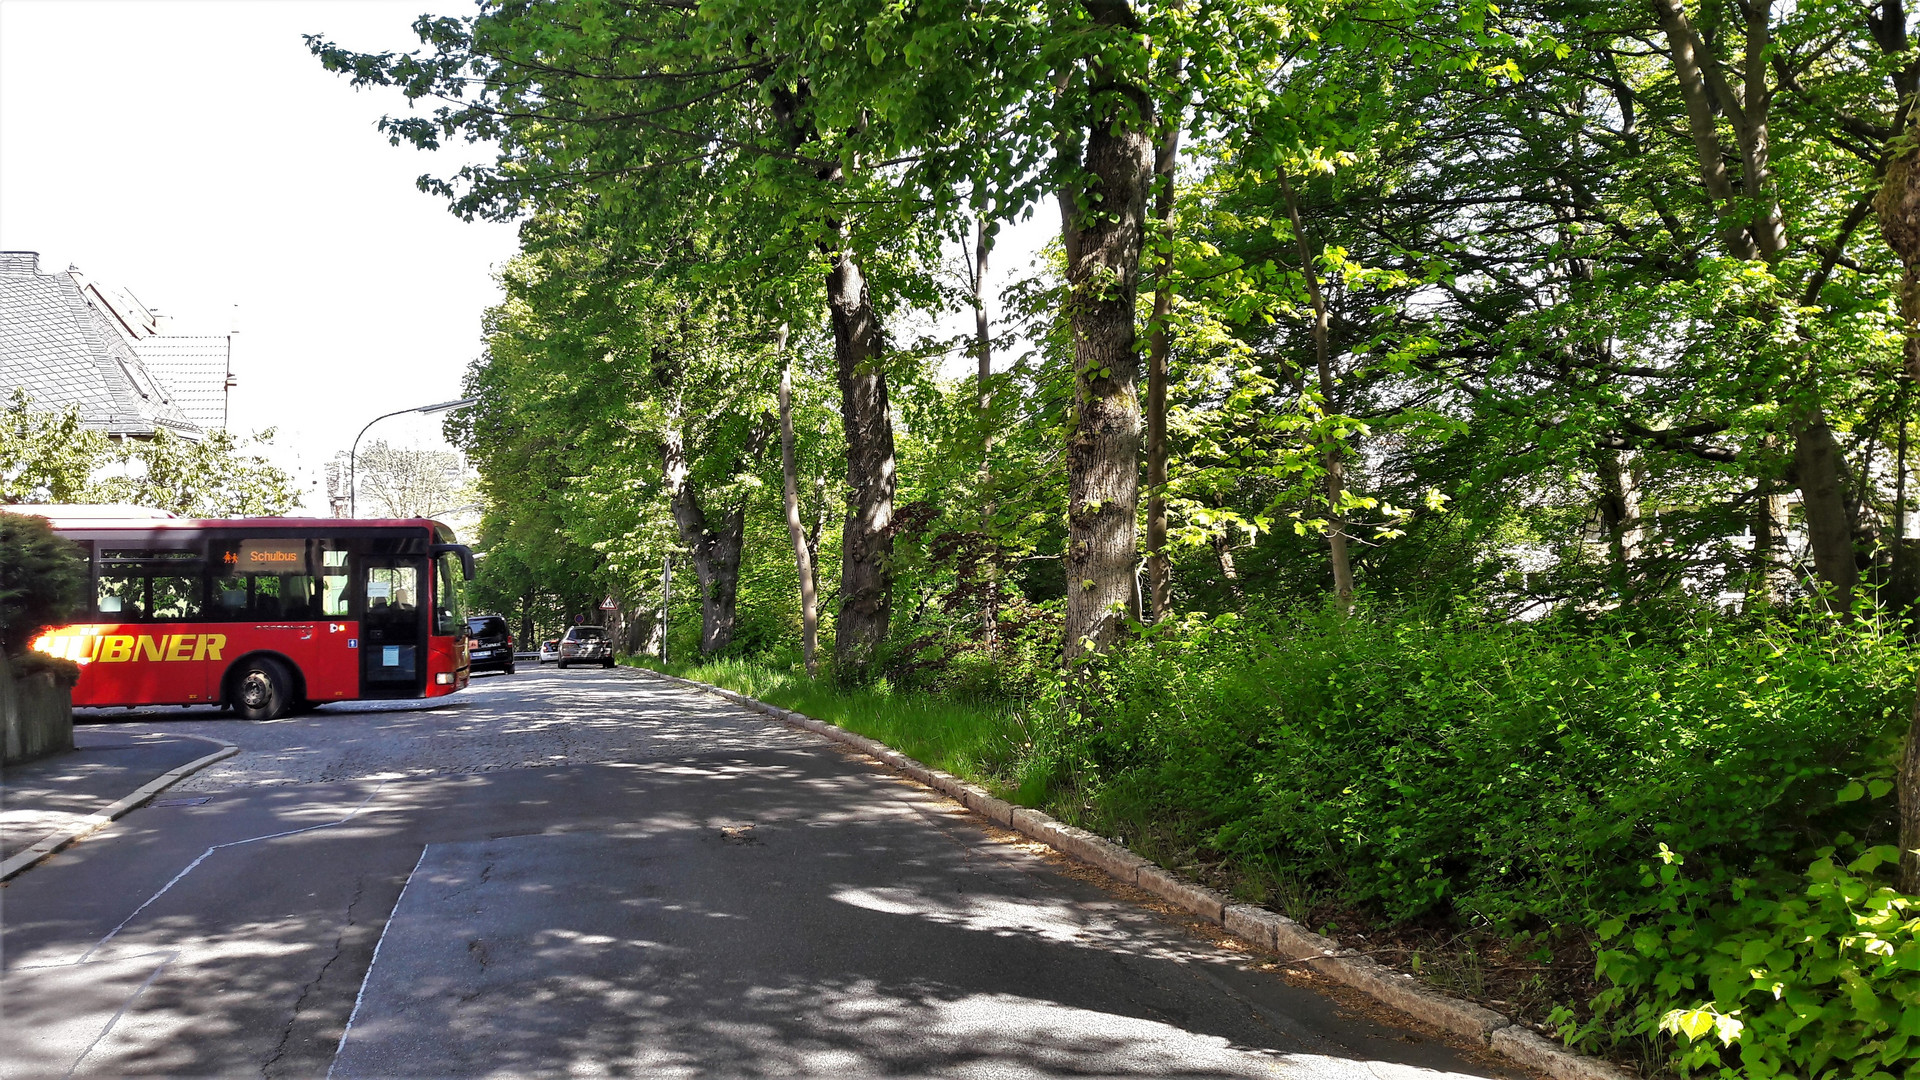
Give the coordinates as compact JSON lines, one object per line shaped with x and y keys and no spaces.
{"x":42,"y":580}
{"x":1503,"y":775}
{"x":1808,"y":975}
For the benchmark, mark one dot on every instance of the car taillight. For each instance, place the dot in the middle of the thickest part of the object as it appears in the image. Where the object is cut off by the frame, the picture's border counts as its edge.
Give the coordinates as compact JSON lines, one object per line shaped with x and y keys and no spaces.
{"x":509,"y":639}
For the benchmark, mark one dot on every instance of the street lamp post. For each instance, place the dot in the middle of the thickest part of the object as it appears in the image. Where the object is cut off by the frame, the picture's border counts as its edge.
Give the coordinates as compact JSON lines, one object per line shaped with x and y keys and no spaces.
{"x":353,"y":455}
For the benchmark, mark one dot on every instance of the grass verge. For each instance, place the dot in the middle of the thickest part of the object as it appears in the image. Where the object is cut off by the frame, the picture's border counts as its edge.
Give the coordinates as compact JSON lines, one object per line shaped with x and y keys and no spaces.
{"x":984,"y":742}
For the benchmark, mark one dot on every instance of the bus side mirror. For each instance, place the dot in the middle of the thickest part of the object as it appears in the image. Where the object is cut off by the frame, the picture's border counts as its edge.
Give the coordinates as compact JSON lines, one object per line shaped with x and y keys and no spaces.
{"x":462,"y":550}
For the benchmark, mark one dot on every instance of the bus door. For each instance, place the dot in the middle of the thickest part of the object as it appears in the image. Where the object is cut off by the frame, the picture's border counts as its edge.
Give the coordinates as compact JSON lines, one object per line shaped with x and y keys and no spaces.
{"x":393,"y":627}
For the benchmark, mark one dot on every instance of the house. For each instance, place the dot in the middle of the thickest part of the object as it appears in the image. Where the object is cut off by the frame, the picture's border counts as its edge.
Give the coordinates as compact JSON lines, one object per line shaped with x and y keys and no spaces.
{"x":70,"y":342}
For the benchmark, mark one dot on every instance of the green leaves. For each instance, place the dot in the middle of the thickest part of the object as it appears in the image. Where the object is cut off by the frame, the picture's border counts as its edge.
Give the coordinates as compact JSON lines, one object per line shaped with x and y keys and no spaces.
{"x":1799,"y":984}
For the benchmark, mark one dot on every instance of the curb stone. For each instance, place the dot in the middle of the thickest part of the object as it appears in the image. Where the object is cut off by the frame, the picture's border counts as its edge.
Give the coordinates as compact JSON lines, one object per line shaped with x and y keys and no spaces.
{"x":94,"y":822}
{"x":1257,"y":926}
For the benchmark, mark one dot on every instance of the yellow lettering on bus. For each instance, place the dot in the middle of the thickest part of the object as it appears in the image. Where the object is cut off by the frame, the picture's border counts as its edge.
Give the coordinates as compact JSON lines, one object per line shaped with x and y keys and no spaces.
{"x":146,"y":647}
{"x":210,"y":646}
{"x":116,"y":648}
{"x":180,"y":646}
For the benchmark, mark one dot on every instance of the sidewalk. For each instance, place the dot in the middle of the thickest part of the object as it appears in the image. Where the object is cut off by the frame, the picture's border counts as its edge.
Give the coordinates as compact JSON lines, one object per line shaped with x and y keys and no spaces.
{"x":50,"y":802}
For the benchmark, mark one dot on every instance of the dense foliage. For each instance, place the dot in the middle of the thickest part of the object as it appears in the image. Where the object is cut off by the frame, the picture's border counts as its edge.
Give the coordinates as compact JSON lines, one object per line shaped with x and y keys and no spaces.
{"x":1523,"y":444}
{"x":43,"y":581}
{"x":49,"y":457}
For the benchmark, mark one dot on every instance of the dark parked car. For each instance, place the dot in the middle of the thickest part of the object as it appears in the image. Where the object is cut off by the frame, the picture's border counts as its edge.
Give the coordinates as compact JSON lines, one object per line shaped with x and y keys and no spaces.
{"x":586,"y":645}
{"x":489,"y":644}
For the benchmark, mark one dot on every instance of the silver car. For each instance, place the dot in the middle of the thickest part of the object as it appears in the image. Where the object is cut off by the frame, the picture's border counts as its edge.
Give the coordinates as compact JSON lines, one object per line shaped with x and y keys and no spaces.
{"x":586,"y":645}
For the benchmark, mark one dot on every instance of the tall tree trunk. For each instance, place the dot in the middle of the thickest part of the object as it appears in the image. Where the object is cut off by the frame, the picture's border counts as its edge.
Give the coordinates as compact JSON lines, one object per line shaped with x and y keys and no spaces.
{"x":1760,"y":234}
{"x":817,"y":526}
{"x":1909,"y":786}
{"x":1159,"y":571}
{"x":1823,"y":500}
{"x":866,"y":546}
{"x":716,"y":553}
{"x":1619,"y":505}
{"x":1102,"y":229}
{"x":1769,"y":529}
{"x":1323,"y":364}
{"x":1223,"y":553}
{"x":983,"y":393}
{"x":790,"y":485}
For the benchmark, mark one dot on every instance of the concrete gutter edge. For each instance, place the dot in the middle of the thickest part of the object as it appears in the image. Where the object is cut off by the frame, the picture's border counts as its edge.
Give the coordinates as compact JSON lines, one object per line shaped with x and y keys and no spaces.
{"x":1263,"y":929}
{"x":94,"y":822}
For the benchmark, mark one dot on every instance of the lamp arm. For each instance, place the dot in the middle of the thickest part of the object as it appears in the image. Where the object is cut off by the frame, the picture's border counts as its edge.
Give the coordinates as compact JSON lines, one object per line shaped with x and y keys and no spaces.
{"x":353,"y":463}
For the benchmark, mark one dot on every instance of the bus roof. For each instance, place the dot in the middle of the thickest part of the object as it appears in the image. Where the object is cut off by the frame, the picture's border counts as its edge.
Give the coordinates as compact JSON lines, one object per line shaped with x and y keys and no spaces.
{"x":57,"y":517}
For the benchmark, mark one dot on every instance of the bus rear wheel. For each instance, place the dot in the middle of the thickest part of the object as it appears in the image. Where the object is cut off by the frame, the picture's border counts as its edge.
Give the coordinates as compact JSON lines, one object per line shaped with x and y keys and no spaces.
{"x":262,"y":690}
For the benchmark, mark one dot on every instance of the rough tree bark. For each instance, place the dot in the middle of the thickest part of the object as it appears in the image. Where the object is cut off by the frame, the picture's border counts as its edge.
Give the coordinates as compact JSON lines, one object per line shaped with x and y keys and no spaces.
{"x":1909,"y":787}
{"x":1159,"y":570}
{"x":1619,"y":505}
{"x":1323,"y":365}
{"x":715,"y":551}
{"x":1103,"y":224}
{"x":790,"y":485}
{"x":1769,"y":530}
{"x":866,"y":548}
{"x":1223,"y":553}
{"x":1821,"y":476}
{"x":983,"y":390}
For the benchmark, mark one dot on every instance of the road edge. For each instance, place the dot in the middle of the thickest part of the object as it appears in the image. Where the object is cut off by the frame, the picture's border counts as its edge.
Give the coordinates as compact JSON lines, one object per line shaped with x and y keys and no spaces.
{"x":94,"y":822}
{"x":1265,"y":930}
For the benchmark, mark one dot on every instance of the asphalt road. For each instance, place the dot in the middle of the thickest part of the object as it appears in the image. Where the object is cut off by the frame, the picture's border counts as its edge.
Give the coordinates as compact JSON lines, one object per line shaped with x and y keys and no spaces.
{"x":595,"y":873}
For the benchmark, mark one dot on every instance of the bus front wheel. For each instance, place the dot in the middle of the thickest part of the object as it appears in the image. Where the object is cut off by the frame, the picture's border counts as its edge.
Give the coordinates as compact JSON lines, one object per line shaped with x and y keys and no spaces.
{"x":262,"y":690}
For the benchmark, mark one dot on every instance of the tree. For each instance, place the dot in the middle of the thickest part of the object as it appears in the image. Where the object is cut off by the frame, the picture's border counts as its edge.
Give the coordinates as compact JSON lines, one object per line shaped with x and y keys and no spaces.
{"x":644,"y":396}
{"x":402,"y":482}
{"x":52,"y":457}
{"x":688,"y":124}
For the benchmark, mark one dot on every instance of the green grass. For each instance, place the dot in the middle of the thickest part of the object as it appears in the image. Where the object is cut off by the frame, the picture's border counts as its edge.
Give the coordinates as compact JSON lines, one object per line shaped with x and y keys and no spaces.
{"x":987,"y":742}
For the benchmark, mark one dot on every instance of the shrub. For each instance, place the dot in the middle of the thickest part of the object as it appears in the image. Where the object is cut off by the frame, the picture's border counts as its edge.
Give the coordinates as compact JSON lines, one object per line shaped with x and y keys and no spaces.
{"x":42,"y":580}
{"x":1786,"y":975}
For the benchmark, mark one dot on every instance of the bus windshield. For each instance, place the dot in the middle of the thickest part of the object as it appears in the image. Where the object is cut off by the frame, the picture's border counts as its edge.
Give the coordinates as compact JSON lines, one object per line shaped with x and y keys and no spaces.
{"x":449,"y":613}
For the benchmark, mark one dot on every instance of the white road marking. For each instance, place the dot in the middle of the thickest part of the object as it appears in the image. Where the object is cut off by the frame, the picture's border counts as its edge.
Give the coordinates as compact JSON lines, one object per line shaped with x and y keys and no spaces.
{"x":375,"y":961}
{"x":203,"y":858}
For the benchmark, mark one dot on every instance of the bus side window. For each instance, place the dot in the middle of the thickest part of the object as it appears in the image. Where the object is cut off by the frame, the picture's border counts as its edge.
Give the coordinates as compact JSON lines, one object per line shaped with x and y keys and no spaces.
{"x":121,"y":595}
{"x":335,"y":582}
{"x":176,"y":597}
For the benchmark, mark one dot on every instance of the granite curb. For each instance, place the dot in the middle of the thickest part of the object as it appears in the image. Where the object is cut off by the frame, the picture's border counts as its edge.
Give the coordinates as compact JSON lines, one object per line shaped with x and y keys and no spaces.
{"x":1263,"y":929}
{"x":94,"y":822}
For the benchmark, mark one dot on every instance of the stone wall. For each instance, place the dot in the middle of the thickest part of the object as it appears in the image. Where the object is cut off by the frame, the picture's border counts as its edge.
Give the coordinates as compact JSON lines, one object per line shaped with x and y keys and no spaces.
{"x":37,"y":711}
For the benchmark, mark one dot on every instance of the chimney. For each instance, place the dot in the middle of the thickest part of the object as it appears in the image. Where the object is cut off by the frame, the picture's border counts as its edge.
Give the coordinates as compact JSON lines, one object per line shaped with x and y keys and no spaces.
{"x":19,"y":263}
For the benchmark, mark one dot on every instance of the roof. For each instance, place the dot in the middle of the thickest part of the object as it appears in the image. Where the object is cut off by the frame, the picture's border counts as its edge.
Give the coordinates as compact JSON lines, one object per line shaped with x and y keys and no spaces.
{"x":196,"y":369}
{"x":70,"y":344}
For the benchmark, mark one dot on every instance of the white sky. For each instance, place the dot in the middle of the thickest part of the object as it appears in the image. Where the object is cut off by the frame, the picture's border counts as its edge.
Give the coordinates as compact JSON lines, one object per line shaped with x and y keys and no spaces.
{"x":192,"y":152}
{"x":195,"y":155}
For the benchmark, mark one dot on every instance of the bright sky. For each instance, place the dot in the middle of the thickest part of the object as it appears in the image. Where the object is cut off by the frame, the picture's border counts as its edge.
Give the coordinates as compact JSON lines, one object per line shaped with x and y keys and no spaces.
{"x":192,"y":153}
{"x":195,"y":155}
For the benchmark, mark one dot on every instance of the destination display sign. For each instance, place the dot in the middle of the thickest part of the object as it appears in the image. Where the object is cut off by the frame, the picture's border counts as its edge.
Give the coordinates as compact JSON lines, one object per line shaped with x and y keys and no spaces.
{"x":268,"y":557}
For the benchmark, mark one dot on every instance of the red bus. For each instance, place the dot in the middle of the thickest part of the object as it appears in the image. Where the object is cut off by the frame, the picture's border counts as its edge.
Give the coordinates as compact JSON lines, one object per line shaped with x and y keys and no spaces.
{"x":266,"y":616}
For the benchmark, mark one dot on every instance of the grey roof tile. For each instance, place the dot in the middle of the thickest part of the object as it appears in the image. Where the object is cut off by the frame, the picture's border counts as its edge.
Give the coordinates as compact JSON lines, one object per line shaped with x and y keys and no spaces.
{"x":65,"y":349}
